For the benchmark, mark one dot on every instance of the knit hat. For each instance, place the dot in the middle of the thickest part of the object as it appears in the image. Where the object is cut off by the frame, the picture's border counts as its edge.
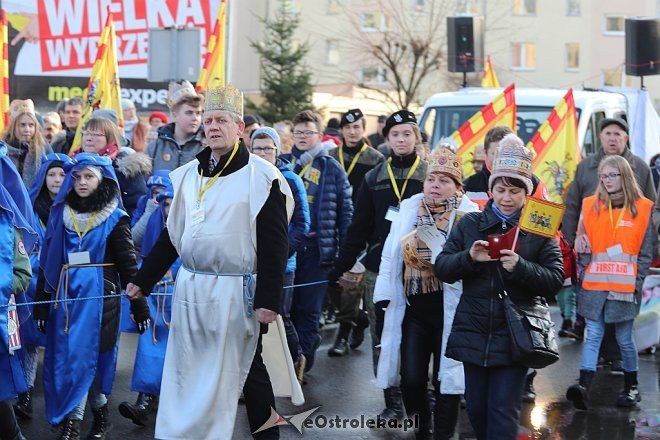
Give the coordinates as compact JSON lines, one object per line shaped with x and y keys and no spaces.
{"x":398,"y":118}
{"x":106,"y":113}
{"x":270,"y":132}
{"x":127,"y":103}
{"x":351,"y":116}
{"x":512,"y":160}
{"x":96,"y":171}
{"x":159,"y":115}
{"x":444,"y":161}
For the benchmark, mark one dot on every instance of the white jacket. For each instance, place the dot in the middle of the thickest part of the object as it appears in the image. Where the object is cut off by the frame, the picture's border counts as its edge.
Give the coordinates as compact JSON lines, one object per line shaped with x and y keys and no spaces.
{"x":389,"y":286}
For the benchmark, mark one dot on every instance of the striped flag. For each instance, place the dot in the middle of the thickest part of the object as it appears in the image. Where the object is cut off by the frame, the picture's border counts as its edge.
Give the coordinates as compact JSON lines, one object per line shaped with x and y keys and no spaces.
{"x":557,"y":150}
{"x":103,"y":89}
{"x":501,"y":111}
{"x":13,"y":324}
{"x":490,"y":78}
{"x":213,"y":70}
{"x":4,"y":92}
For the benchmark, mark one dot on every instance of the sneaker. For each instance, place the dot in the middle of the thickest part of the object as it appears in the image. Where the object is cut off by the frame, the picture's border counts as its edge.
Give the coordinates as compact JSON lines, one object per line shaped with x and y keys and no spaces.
{"x":628,"y":399}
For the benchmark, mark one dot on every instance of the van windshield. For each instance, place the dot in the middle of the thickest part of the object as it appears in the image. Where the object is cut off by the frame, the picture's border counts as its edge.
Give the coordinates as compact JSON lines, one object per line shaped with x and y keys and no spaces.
{"x":439,"y":122}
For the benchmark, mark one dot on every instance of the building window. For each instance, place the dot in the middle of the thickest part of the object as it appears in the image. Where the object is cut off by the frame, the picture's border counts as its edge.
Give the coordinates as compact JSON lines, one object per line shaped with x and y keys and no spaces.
{"x":333,"y":7}
{"x":373,"y":75}
{"x":523,"y":56}
{"x":524,"y":7}
{"x":572,"y":57}
{"x":373,"y":22}
{"x":614,"y":25}
{"x":573,"y":8}
{"x":331,"y":52}
{"x":467,"y":7}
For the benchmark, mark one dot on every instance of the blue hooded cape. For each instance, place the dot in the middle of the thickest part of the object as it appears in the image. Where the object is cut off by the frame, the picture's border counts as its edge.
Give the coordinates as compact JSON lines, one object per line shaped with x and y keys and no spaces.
{"x":72,"y":360}
{"x":150,"y":355}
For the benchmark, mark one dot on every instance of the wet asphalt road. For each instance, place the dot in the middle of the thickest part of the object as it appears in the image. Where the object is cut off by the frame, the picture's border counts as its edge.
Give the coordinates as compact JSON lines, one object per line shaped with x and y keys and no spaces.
{"x":342,"y":387}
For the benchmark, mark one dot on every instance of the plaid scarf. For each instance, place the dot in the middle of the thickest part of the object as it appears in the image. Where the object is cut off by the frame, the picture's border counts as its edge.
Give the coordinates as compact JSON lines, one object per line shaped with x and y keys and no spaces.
{"x":418,"y":277}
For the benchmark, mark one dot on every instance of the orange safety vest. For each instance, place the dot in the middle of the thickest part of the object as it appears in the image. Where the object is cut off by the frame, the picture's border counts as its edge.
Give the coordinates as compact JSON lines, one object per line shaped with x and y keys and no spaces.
{"x":614,"y":271}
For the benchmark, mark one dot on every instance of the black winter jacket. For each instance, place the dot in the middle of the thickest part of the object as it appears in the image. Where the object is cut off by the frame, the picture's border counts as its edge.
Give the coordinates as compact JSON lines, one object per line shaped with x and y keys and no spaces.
{"x":479,"y":334}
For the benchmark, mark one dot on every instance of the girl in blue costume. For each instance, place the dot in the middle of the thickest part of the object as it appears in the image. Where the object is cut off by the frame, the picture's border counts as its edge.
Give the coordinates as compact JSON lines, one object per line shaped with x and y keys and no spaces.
{"x":87,"y":257}
{"x":46,"y":185}
{"x":17,"y":236}
{"x":150,"y":355}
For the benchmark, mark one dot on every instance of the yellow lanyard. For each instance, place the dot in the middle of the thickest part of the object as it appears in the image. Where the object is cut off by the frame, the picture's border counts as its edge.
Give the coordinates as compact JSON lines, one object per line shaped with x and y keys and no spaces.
{"x":304,"y":170}
{"x":212,"y":180}
{"x":395,"y":187}
{"x":615,"y":226}
{"x":88,"y":226}
{"x":353,"y":162}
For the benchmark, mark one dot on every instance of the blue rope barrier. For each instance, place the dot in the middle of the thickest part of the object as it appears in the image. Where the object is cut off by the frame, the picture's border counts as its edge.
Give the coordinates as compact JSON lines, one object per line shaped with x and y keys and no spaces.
{"x":115,"y":295}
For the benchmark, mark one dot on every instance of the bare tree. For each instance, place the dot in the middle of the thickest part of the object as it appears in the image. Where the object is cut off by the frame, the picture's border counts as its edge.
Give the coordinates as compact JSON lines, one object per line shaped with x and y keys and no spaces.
{"x":409,"y":44}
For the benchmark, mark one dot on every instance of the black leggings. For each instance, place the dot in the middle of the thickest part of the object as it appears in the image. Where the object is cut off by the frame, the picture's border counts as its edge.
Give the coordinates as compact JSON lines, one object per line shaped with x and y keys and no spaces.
{"x":420,"y":339}
{"x":9,"y":429}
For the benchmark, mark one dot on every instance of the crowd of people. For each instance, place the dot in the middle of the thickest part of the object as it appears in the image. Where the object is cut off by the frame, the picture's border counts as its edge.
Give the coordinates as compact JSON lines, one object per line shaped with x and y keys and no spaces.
{"x":204,"y":229}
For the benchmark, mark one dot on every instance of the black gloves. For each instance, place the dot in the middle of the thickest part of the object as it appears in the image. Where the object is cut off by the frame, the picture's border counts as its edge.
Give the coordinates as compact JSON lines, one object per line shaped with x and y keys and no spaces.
{"x":140,"y":314}
{"x":380,"y":307}
{"x":40,"y":315}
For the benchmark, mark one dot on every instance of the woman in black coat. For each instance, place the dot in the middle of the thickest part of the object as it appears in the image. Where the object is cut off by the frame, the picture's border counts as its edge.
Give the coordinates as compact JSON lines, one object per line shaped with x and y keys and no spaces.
{"x":479,"y":337}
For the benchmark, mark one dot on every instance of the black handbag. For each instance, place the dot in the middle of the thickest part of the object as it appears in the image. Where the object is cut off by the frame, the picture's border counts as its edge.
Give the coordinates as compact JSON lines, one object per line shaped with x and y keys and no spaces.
{"x":531,"y":331}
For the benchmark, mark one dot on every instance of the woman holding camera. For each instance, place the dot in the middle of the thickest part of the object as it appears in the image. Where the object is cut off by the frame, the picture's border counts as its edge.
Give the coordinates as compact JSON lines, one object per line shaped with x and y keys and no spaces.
{"x":479,"y":336}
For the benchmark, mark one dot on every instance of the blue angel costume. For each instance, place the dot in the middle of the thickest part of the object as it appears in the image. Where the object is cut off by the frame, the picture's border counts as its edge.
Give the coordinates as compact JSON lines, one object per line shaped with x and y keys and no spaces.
{"x":30,"y":335}
{"x":87,"y":255}
{"x":150,"y":355}
{"x":159,"y":178}
{"x":15,"y":215}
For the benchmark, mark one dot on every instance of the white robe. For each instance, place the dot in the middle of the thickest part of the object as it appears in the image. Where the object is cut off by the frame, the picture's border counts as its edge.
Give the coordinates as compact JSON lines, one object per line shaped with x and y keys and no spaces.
{"x":212,"y":340}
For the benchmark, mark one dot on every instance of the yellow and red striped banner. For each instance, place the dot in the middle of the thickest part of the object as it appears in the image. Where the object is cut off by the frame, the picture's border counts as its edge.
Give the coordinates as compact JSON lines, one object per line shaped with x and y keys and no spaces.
{"x":4,"y":93}
{"x":103,"y":89}
{"x":501,"y":111}
{"x":213,"y":69}
{"x":490,"y":78}
{"x":557,"y":150}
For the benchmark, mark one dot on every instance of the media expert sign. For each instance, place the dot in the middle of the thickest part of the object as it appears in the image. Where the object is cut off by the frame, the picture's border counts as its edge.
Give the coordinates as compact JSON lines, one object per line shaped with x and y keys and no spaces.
{"x":70,"y":29}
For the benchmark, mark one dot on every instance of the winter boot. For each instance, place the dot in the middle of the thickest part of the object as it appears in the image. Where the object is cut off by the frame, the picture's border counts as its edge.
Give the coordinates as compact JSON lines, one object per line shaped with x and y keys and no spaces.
{"x":70,"y":430}
{"x":630,"y":394}
{"x":393,"y":404}
{"x":566,"y":327}
{"x":23,"y":407}
{"x":528,"y":392}
{"x":101,"y":425}
{"x":357,"y":335}
{"x":138,"y":413}
{"x":341,"y":345}
{"x":578,"y":393}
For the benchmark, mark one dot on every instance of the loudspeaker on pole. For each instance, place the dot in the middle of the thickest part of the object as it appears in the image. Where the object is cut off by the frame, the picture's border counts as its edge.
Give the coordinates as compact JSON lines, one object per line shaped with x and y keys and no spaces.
{"x":465,"y":44}
{"x":642,"y":46}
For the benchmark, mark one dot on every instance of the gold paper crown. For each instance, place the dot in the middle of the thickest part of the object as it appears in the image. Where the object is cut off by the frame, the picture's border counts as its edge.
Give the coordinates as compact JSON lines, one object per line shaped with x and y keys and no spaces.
{"x":443,"y":160}
{"x":178,"y":90}
{"x":19,"y":106}
{"x":224,"y":99}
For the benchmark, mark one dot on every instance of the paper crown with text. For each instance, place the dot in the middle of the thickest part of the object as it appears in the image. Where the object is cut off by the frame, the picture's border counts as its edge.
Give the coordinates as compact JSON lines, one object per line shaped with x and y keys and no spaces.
{"x":443,"y":160}
{"x":178,"y":90}
{"x":224,"y":99}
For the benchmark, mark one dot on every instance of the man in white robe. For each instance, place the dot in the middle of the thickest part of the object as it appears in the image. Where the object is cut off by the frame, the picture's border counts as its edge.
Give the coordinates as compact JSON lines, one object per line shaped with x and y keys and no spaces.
{"x":227,"y":204}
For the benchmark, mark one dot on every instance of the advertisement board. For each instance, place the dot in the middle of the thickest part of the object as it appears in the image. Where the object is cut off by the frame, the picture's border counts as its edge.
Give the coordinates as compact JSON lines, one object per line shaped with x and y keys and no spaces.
{"x":52,"y":44}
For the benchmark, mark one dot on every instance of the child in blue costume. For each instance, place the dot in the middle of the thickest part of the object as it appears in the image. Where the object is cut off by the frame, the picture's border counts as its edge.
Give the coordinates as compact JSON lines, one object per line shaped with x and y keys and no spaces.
{"x":150,"y":355}
{"x":46,"y":185}
{"x":17,"y":237}
{"x":87,"y":257}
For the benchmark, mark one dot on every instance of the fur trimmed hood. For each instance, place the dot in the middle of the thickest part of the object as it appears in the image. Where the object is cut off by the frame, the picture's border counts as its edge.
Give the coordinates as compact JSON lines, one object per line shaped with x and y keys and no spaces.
{"x":133,"y":165}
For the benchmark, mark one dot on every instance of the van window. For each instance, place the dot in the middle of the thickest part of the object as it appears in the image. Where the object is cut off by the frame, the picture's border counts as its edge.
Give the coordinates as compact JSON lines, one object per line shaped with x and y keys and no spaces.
{"x":591,"y":142}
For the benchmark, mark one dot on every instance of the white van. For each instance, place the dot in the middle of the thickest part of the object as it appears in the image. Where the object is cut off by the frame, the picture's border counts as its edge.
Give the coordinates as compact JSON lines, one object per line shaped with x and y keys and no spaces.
{"x":444,"y":113}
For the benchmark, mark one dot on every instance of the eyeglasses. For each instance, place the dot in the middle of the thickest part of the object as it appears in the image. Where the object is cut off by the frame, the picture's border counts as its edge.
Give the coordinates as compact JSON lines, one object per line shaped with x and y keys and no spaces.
{"x":306,"y":133}
{"x":95,"y":134}
{"x":258,"y":150}
{"x":609,"y":176}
